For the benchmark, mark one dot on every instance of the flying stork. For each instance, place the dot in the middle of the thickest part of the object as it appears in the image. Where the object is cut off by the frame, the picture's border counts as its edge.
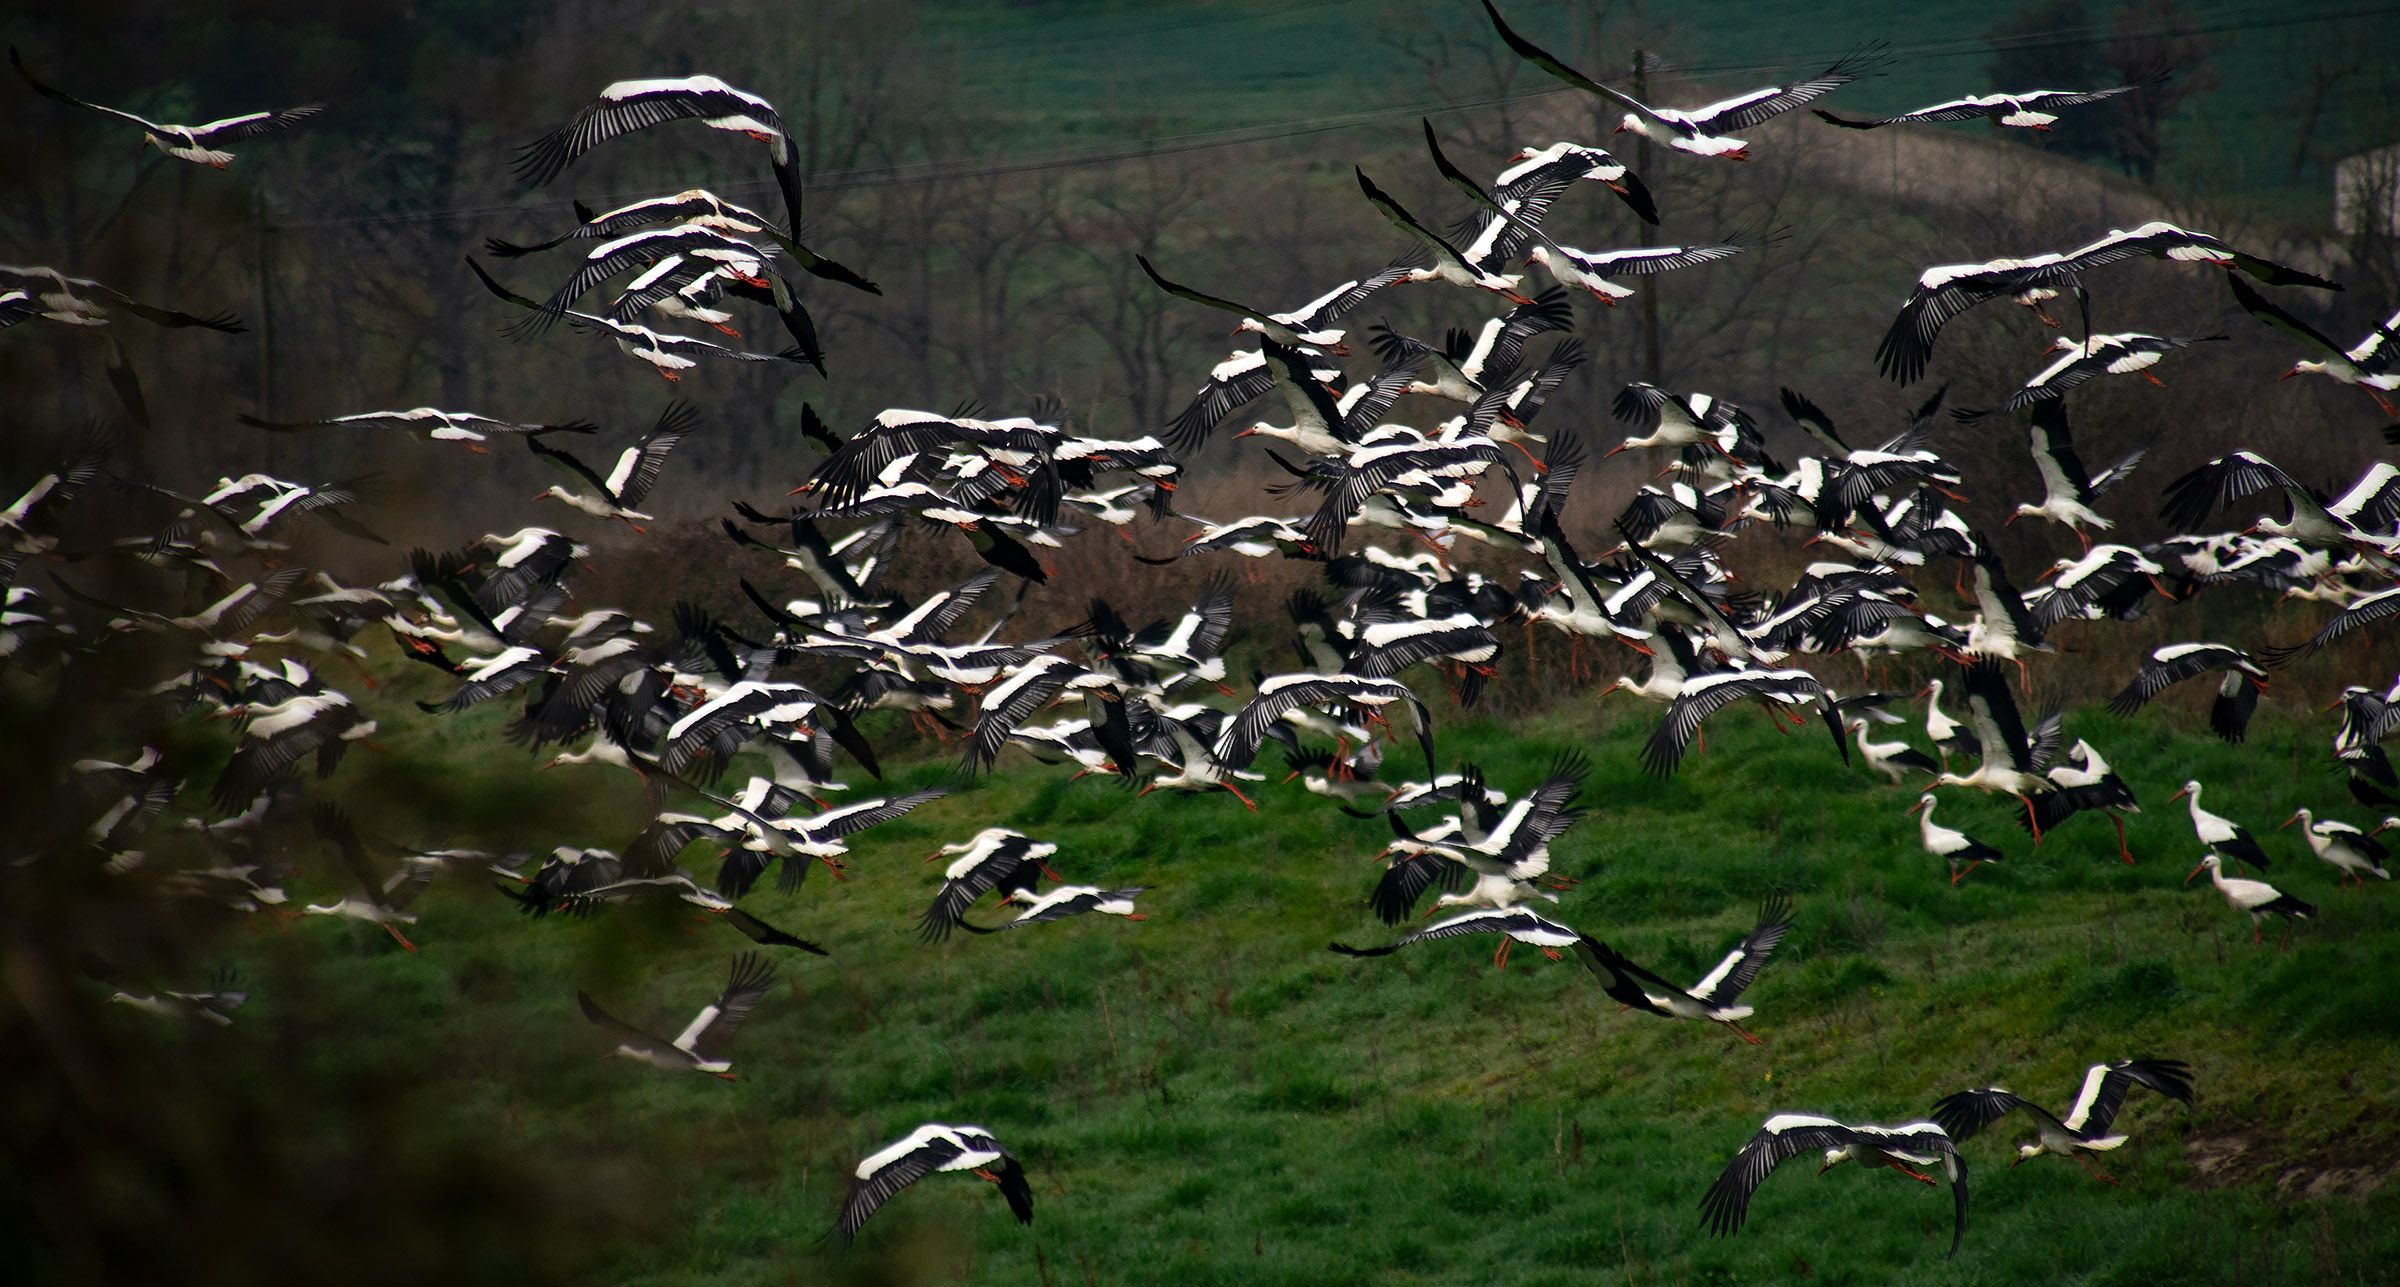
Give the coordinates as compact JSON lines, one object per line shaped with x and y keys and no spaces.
{"x":1714,"y":995}
{"x":928,"y":1150}
{"x":1696,"y":131}
{"x":701,"y":1045}
{"x":2084,"y":1130}
{"x":1906,"y":1148}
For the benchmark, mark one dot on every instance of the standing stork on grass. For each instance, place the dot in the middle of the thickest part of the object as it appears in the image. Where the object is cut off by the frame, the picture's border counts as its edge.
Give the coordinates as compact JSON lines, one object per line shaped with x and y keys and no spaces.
{"x":2256,"y":897}
{"x":2350,"y":851}
{"x":1950,"y":844}
{"x":2221,"y":835}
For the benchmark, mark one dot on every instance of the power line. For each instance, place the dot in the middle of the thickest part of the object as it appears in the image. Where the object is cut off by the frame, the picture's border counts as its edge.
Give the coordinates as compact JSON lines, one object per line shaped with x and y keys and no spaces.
{"x":939,"y":171}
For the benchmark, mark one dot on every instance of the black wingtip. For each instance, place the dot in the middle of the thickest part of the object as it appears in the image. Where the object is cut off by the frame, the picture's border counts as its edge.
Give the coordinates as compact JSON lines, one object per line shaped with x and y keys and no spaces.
{"x":1637,"y":195}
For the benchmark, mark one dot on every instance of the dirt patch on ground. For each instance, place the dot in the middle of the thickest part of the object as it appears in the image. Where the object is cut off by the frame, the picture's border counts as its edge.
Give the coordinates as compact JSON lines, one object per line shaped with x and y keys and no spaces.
{"x":2355,"y":1165}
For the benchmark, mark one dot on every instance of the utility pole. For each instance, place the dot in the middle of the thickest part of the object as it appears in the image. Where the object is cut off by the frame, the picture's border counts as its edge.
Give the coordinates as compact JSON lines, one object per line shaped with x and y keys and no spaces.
{"x":1641,"y":152}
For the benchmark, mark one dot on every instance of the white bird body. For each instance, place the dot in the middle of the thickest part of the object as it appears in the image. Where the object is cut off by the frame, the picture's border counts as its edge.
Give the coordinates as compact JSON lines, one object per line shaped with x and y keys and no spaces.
{"x":932,"y":1149}
{"x":2255,"y":897}
{"x":2086,"y":1128}
{"x":2346,"y":848}
{"x":700,"y":1047}
{"x":2220,"y":834}
{"x":1948,"y":843}
{"x":1892,"y":759}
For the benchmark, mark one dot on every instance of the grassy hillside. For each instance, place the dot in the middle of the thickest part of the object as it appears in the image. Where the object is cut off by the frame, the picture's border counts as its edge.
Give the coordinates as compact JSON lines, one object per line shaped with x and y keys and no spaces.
{"x":1211,"y":1097}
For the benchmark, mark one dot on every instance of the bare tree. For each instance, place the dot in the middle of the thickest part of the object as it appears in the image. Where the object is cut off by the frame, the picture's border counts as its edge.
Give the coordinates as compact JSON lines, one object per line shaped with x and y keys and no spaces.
{"x":2145,"y":40}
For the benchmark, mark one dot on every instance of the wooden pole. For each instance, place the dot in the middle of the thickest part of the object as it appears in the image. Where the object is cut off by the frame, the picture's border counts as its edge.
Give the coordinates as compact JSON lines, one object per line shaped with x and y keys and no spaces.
{"x":1641,"y":152}
{"x":266,"y":306}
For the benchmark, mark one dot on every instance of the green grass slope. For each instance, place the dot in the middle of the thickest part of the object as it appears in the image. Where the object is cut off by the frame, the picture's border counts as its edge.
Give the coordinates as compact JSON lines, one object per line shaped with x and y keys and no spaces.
{"x":1212,"y":1097}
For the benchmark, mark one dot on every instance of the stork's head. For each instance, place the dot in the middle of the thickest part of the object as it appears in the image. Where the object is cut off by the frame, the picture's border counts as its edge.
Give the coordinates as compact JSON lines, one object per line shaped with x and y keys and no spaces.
{"x":1834,"y":1157}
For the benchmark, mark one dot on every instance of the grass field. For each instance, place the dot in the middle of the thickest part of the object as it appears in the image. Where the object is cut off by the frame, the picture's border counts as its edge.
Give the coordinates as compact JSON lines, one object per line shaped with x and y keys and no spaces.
{"x":1212,"y":1097}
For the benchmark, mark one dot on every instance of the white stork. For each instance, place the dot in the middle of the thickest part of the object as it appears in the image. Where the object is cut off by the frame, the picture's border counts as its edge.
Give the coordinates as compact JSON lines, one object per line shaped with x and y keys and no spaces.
{"x":195,"y":143}
{"x":2067,"y":490}
{"x":1697,"y":130}
{"x":928,"y":1150}
{"x":1069,"y":900}
{"x":993,"y":858}
{"x":2221,"y":835}
{"x":1516,"y":924}
{"x":1309,"y":326}
{"x":1892,"y":759}
{"x":629,"y":483}
{"x":437,"y":425}
{"x":2237,"y":694}
{"x":2022,"y":110}
{"x":2372,"y":364}
{"x":1948,"y":290}
{"x":701,"y":1046}
{"x":2350,"y":851}
{"x":2087,"y":784}
{"x":1948,"y":843}
{"x":1713,"y":996}
{"x":216,"y":1005}
{"x":2011,"y":761}
{"x":2084,"y":1130}
{"x":382,"y":901}
{"x":1906,"y":1148}
{"x":1451,"y":263}
{"x":1589,"y":271}
{"x":630,"y":105}
{"x":2256,"y":897}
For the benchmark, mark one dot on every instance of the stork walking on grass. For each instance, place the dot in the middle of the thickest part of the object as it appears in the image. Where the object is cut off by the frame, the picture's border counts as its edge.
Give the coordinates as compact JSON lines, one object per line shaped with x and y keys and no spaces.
{"x":2256,"y":897}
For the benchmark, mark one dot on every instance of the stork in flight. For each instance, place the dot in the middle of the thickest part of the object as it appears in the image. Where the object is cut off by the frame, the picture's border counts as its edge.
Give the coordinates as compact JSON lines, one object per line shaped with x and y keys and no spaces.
{"x":2084,"y":1130}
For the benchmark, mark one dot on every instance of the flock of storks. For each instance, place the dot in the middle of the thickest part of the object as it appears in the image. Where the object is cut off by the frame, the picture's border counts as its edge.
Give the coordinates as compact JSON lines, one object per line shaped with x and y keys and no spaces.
{"x":676,"y":703}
